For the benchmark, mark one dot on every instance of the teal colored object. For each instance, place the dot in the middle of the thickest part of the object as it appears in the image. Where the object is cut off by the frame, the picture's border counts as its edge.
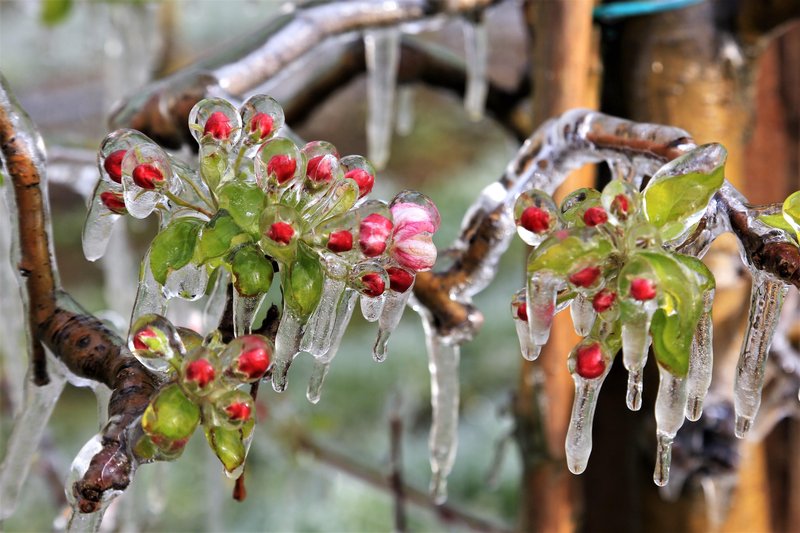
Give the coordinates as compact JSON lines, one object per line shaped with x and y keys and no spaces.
{"x":618,"y":10}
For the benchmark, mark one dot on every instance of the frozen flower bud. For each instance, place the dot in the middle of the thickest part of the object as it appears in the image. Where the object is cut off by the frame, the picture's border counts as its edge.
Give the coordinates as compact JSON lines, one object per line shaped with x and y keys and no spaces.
{"x":620,"y":206}
{"x":319,"y":169}
{"x":113,"y":165}
{"x":253,"y":362}
{"x":595,"y":216}
{"x":364,"y":179}
{"x":643,"y":289}
{"x":281,"y":232}
{"x":413,"y":243}
{"x":147,"y":176}
{"x":535,"y":220}
{"x":373,"y":284}
{"x":340,"y":241}
{"x":374,"y":231}
{"x":232,"y":409}
{"x":589,"y":363}
{"x":261,"y":126}
{"x":603,"y":300}
{"x":218,"y":126}
{"x":238,"y":412}
{"x":400,"y":279}
{"x":282,"y":167}
{"x":586,"y":277}
{"x":114,"y":202}
{"x":200,"y":372}
{"x":522,"y":312}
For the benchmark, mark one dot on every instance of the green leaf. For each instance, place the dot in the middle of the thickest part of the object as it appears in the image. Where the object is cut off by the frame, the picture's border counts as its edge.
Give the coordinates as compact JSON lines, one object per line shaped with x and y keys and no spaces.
{"x":302,"y":284}
{"x":791,"y":212}
{"x":173,"y":248}
{"x":55,"y":11}
{"x":229,"y":444}
{"x":777,"y":221}
{"x":679,"y":192}
{"x":170,"y":419}
{"x":216,"y":237}
{"x":244,"y":202}
{"x":560,"y":252}
{"x":252,"y":272}
{"x":704,"y":276}
{"x":213,"y":164}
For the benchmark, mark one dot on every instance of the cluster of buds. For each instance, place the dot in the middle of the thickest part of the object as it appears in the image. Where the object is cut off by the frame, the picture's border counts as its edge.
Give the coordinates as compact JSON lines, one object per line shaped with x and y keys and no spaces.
{"x":205,"y":380}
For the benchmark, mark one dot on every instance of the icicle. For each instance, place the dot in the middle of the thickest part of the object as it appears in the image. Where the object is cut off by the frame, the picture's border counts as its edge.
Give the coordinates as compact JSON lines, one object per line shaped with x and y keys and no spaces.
{"x":383,"y":53}
{"x":149,"y":297}
{"x":443,"y":361}
{"x":188,"y":283}
{"x":583,"y":315}
{"x":635,"y":344}
{"x":718,"y":491}
{"x":670,"y":407}
{"x":217,"y":300}
{"x":476,"y":46}
{"x":287,"y":346}
{"x":766,"y":300}
{"x":244,"y":312}
{"x":119,"y":268}
{"x":579,"y":435}
{"x":318,"y":374}
{"x":519,"y":313}
{"x":23,"y":444}
{"x":319,"y":330}
{"x":391,"y":313}
{"x":404,"y":122}
{"x":701,"y":362}
{"x":344,"y":313}
{"x":371,"y":307}
{"x":85,"y":522}
{"x":541,"y":306}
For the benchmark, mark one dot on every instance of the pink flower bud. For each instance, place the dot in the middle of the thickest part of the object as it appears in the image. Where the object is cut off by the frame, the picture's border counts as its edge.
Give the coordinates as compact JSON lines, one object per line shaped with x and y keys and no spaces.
{"x":147,"y":176}
{"x":364,"y":179}
{"x":585,"y":277}
{"x":238,"y":411}
{"x":399,"y":279}
{"x":535,"y":220}
{"x":200,"y":372}
{"x":113,"y":165}
{"x":261,"y":126}
{"x":413,"y":244}
{"x":589,"y":363}
{"x":340,"y":241}
{"x":218,"y":126}
{"x":373,"y":284}
{"x":373,"y":234}
{"x":114,"y":202}
{"x":140,"y":338}
{"x":643,"y":289}
{"x":281,"y":232}
{"x":595,"y":216}
{"x":620,"y":204}
{"x":319,"y":169}
{"x":254,"y":359}
{"x":282,"y":166}
{"x":603,"y":300}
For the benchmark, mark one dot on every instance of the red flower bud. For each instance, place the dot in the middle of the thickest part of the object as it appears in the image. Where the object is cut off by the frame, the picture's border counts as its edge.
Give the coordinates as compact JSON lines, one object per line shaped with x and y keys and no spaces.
{"x":113,"y":165}
{"x":282,"y":166}
{"x":340,"y":241}
{"x":585,"y":277}
{"x":589,"y":362}
{"x":238,"y":411}
{"x":364,"y":179}
{"x":595,"y":216}
{"x":373,"y":284}
{"x":399,"y":280}
{"x":261,"y":123}
{"x":281,"y":232}
{"x":147,"y":176}
{"x":114,"y":202}
{"x":535,"y":220}
{"x":319,"y":169}
{"x":253,"y":363}
{"x":643,"y":289}
{"x":620,"y":204}
{"x":603,"y":300}
{"x":218,"y":126}
{"x":200,"y":372}
{"x":522,"y":312}
{"x":373,"y":234}
{"x":138,"y":339}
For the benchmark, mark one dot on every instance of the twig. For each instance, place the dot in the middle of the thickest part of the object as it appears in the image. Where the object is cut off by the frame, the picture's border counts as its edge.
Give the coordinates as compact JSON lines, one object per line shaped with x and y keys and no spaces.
{"x":396,"y":464}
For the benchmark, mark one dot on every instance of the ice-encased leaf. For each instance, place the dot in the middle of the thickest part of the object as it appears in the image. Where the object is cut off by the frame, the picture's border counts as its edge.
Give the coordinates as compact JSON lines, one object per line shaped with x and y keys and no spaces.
{"x":562,"y":251}
{"x":302,"y":284}
{"x":244,"y":202}
{"x":230,"y":445}
{"x":677,"y":195}
{"x":791,"y":212}
{"x":217,"y":237}
{"x":173,"y":248}
{"x":252,"y":272}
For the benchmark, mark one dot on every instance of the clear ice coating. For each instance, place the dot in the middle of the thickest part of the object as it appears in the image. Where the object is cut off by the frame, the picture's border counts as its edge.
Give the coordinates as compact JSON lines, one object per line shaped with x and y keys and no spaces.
{"x":443,"y":360}
{"x":701,"y":362}
{"x":766,"y":300}
{"x":371,"y":307}
{"x":583,"y":315}
{"x":670,"y":408}
{"x":320,"y":327}
{"x":287,"y":346}
{"x":541,"y":306}
{"x":344,"y":313}
{"x":382,"y":48}
{"x":392,"y":311}
{"x":578,"y":444}
{"x":404,"y":121}
{"x":245,"y":309}
{"x":635,"y":344}
{"x":476,"y":51}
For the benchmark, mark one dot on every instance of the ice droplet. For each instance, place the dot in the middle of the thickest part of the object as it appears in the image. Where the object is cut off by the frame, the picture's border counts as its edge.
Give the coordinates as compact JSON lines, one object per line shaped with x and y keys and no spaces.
{"x":476,"y":47}
{"x":316,"y":380}
{"x":578,"y":445}
{"x":541,"y":302}
{"x":383,"y":53}
{"x":391,"y":313}
{"x":344,"y":313}
{"x":319,"y":330}
{"x":583,"y":315}
{"x":245,"y":309}
{"x":371,"y":307}
{"x":443,"y":361}
{"x":670,"y":407}
{"x":149,"y":297}
{"x":635,"y":344}
{"x":700,"y":362}
{"x":766,"y":300}
{"x":99,"y":223}
{"x":287,"y":346}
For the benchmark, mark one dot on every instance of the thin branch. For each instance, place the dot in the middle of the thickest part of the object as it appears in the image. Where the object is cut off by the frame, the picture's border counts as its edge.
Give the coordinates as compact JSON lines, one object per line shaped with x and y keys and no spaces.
{"x":396,"y":465}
